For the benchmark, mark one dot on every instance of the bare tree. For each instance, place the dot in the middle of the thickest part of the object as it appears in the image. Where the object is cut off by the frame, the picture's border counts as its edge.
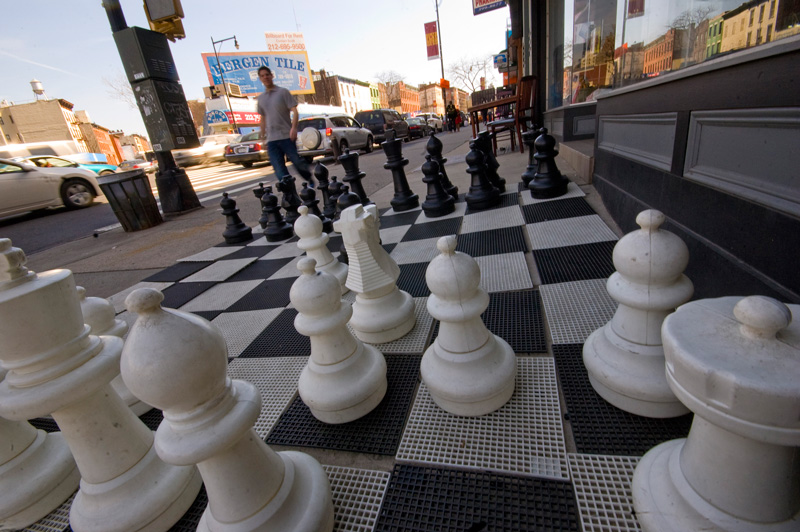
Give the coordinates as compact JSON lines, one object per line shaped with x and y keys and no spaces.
{"x":690,"y":18}
{"x":467,"y":72}
{"x":391,"y":78}
{"x":119,"y":88}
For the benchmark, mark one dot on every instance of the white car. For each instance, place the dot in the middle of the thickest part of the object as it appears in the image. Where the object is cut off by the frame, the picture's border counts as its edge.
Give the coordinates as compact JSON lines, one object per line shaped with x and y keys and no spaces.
{"x":25,"y":187}
{"x":211,"y":150}
{"x":433,"y":120}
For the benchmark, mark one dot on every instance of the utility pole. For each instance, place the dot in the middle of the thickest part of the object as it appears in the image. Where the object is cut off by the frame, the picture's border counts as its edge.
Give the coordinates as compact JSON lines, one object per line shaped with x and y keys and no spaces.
{"x":222,"y":75}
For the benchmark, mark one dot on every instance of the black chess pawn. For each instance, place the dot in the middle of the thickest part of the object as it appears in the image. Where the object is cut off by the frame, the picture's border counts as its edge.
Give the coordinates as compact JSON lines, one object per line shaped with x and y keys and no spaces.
{"x":309,"y":197}
{"x":235,"y":230}
{"x":547,"y":182}
{"x":290,"y":200}
{"x":328,"y":203}
{"x":259,"y":193}
{"x":352,"y":174}
{"x":528,"y":138}
{"x":484,"y":143}
{"x":482,"y":193}
{"x":277,"y":228}
{"x":434,"y":148}
{"x":346,"y":199}
{"x":404,"y":199}
{"x":437,"y":202}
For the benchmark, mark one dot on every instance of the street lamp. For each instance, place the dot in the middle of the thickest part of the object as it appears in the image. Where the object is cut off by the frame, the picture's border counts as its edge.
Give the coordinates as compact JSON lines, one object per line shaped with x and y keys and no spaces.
{"x":222,"y":75}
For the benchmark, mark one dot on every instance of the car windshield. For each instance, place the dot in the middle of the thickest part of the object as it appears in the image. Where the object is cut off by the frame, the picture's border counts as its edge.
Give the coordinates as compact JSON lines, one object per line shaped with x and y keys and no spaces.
{"x":316,"y":123}
{"x":254,"y":135}
{"x":414,"y":121}
{"x":370,"y":117}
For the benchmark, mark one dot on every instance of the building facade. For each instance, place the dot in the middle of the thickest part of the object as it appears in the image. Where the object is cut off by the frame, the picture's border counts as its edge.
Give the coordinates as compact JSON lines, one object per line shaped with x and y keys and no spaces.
{"x":431,"y":99}
{"x":41,"y":121}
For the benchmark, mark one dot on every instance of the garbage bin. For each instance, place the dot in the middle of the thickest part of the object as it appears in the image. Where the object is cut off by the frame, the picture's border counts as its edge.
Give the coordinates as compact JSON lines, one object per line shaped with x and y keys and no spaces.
{"x":131,"y":199}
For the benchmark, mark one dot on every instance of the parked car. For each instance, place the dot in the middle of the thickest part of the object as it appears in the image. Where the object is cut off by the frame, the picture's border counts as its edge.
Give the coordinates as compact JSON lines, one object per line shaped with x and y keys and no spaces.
{"x":25,"y":187}
{"x":380,"y":120}
{"x":247,"y":151}
{"x":138,"y":164}
{"x":433,"y":120}
{"x":211,"y":150}
{"x":317,"y":132}
{"x":51,"y":161}
{"x":418,"y":128}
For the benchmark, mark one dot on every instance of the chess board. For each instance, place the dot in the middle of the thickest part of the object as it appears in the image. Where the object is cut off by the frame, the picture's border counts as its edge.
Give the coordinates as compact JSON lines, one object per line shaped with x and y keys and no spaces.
{"x":555,"y":457}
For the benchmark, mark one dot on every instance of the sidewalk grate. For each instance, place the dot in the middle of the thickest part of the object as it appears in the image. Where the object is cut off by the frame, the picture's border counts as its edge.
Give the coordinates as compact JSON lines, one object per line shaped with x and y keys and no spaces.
{"x":392,"y":235}
{"x":357,"y":496}
{"x":417,"y":251}
{"x":603,"y":492}
{"x":220,"y":296}
{"x":240,"y":328}
{"x":288,"y":270}
{"x":207,"y":315}
{"x":152,"y":418}
{"x":502,"y":273}
{"x":412,"y":279}
{"x":378,"y":432}
{"x":569,"y":232}
{"x":492,"y":219}
{"x":516,"y":317}
{"x":601,"y":428}
{"x":575,"y":310}
{"x":191,"y":518}
{"x":432,"y":229}
{"x":493,"y":242}
{"x":259,"y":270}
{"x":268,"y":294}
{"x":248,"y":252}
{"x":279,"y":339}
{"x":423,"y":499}
{"x":178,"y":271}
{"x":282,"y":252}
{"x":575,"y":263}
{"x":179,"y":294}
{"x":403,"y":218}
{"x":56,"y":521}
{"x":556,"y":210}
{"x":220,"y":270}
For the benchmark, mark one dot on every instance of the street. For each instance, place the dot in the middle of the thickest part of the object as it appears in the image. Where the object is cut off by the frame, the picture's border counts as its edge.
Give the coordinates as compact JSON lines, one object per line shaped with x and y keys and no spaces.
{"x":37,"y":231}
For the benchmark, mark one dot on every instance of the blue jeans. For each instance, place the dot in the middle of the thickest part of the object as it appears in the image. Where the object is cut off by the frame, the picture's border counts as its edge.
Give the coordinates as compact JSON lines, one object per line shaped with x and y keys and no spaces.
{"x":278,"y":150}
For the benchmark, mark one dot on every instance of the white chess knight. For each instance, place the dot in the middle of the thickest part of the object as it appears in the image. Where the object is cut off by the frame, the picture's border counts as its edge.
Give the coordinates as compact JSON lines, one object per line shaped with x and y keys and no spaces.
{"x":56,"y":367}
{"x":625,"y":358}
{"x":382,"y":312}
{"x":468,"y":370}
{"x":314,"y":242}
{"x":344,"y":379}
{"x":177,"y":361}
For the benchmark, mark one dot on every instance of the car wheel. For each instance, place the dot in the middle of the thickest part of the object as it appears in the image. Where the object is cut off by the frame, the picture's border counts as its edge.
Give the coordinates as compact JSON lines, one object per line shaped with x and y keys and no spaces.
{"x":76,"y":194}
{"x":369,"y":147}
{"x":248,"y":164}
{"x":106,"y":172}
{"x":343,"y":145}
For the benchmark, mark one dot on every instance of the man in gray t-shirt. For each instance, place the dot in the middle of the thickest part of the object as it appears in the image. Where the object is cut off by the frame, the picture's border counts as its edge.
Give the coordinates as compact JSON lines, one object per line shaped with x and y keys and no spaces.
{"x":279,"y":117}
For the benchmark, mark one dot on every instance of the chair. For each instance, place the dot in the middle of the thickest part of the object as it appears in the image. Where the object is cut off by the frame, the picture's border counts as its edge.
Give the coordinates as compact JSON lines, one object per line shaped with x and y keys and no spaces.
{"x":517,"y":122}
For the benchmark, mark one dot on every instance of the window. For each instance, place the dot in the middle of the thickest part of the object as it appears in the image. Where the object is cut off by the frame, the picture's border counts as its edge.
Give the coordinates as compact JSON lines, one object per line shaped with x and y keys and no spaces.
{"x":771,"y":9}
{"x":769,"y":33}
{"x":1,"y":121}
{"x":752,"y":16}
{"x":748,"y":38}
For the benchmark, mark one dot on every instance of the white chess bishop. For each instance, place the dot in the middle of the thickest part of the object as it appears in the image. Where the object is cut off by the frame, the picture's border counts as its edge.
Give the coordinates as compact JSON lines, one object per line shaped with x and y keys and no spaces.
{"x":177,"y":362}
{"x":314,"y":242}
{"x":382,"y":312}
{"x":468,"y":370}
{"x":345,"y":379}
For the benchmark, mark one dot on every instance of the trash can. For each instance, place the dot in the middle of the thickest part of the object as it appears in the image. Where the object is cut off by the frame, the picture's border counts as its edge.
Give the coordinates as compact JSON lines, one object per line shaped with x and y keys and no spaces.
{"x":131,"y":199}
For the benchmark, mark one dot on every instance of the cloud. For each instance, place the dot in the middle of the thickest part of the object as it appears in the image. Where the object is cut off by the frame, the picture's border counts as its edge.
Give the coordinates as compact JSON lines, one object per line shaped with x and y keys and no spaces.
{"x":18,"y":58}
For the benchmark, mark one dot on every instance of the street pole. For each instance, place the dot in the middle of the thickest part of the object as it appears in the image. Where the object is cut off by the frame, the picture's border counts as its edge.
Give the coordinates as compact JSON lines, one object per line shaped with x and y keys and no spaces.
{"x":441,"y":54}
{"x":222,"y":75}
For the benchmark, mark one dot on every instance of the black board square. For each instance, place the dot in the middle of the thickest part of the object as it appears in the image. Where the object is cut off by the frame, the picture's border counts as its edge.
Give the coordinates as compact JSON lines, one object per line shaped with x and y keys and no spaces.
{"x":152,"y":418}
{"x":179,"y":294}
{"x":189,"y":521}
{"x":378,"y":432}
{"x":260,"y":269}
{"x":412,"y":279}
{"x":279,"y":339}
{"x":403,"y":218}
{"x":450,"y":226}
{"x":517,"y":318}
{"x":46,"y":424}
{"x":334,"y":243}
{"x":492,"y":242}
{"x":207,"y":314}
{"x":556,"y":210}
{"x":269,"y":294}
{"x":599,"y":427}
{"x":575,"y":263}
{"x":250,"y":251}
{"x":422,"y":499}
{"x":177,"y":271}
{"x":506,"y":200}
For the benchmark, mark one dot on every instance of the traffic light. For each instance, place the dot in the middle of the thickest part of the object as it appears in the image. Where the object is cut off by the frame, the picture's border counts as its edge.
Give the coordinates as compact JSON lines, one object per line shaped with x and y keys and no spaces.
{"x":164,"y":16}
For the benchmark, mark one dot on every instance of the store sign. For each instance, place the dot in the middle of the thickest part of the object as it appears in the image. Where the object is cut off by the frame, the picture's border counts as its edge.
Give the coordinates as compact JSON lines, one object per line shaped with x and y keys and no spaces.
{"x":291,"y":70}
{"x":216,"y":117}
{"x":245,"y":118}
{"x":500,"y":60}
{"x":432,"y":40}
{"x":483,"y":6}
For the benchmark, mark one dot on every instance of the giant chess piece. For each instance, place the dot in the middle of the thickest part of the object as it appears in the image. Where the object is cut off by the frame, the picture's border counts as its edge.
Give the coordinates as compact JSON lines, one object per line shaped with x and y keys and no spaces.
{"x":625,"y":358}
{"x":37,"y":473}
{"x":353,"y":175}
{"x":344,"y":200}
{"x":259,"y":193}
{"x":437,"y":202}
{"x":178,"y":362}
{"x":548,"y":181}
{"x":235,"y":230}
{"x":404,"y":199}
{"x":277,"y":228}
{"x":529,"y":138}
{"x":310,"y":201}
{"x":344,"y":379}
{"x":482,"y":194}
{"x":290,"y":200}
{"x":99,"y":315}
{"x":328,"y":203}
{"x":468,"y":370}
{"x":313,"y":240}
{"x":57,"y":367}
{"x":434,"y":148}
{"x":335,"y":190}
{"x":735,"y":363}
{"x":382,"y":312}
{"x":484,"y":143}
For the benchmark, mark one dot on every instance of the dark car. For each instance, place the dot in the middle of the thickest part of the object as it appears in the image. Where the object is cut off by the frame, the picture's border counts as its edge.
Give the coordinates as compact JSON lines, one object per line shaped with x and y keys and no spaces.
{"x":247,"y":151}
{"x":380,"y":120}
{"x":418,"y":128}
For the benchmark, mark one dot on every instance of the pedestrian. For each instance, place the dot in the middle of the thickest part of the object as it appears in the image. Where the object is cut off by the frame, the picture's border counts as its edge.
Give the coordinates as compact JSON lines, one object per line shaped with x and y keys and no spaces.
{"x":278,"y":109}
{"x":451,"y":113}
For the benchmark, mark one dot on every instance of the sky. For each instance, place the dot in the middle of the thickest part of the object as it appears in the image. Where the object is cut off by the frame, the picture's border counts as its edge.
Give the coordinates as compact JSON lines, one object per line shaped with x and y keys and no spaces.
{"x":68,"y":45}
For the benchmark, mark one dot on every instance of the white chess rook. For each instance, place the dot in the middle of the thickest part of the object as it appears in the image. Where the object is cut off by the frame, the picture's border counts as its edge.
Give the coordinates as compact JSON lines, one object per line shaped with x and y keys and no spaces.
{"x":37,"y":473}
{"x":736,"y":364}
{"x":314,"y":242}
{"x":99,"y":315}
{"x":56,"y":367}
{"x":382,"y":312}
{"x":344,"y":379}
{"x":625,"y":358}
{"x":468,"y":370}
{"x":178,"y":362}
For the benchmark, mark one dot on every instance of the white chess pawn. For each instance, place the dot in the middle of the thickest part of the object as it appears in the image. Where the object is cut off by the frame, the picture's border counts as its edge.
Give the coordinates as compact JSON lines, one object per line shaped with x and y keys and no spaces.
{"x":314,"y":242}
{"x":382,"y":312}
{"x":98,"y":313}
{"x":56,"y":367}
{"x":736,"y":364}
{"x":344,"y":379}
{"x":468,"y":370}
{"x":37,"y":473}
{"x":625,"y":358}
{"x":177,"y":362}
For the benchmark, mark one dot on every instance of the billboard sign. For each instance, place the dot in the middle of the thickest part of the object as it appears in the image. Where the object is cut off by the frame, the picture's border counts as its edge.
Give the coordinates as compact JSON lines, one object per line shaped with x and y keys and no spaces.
{"x":483,"y":6}
{"x":432,"y":40}
{"x":241,"y":68}
{"x":279,"y":41}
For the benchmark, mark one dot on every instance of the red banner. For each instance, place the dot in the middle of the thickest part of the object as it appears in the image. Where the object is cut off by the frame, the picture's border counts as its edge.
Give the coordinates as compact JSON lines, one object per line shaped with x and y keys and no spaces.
{"x":432,"y":40}
{"x":244,"y":118}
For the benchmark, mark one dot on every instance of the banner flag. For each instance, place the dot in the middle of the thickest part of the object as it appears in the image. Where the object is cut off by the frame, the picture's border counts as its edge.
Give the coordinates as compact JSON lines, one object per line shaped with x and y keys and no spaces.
{"x":432,"y":40}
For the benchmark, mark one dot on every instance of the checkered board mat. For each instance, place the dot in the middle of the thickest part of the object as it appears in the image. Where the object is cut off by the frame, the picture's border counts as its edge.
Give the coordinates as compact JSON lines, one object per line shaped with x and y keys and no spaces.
{"x":555,"y":457}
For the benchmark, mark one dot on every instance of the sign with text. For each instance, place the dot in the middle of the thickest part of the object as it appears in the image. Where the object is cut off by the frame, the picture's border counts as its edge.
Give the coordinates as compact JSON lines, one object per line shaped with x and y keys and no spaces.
{"x":279,"y":41}
{"x":216,"y":117}
{"x":432,"y":40}
{"x":483,"y":6}
{"x":291,"y":70}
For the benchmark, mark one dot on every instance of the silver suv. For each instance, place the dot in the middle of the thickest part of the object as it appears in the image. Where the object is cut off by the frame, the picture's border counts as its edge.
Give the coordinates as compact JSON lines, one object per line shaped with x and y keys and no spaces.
{"x":315,"y":134}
